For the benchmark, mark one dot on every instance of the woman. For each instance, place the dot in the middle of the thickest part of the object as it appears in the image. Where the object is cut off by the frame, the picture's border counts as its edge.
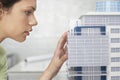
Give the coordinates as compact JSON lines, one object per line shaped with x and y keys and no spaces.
{"x":16,"y":21}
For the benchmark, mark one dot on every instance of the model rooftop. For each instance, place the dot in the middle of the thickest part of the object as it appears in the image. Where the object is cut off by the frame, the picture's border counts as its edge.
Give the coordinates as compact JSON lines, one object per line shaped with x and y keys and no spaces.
{"x":101,"y":13}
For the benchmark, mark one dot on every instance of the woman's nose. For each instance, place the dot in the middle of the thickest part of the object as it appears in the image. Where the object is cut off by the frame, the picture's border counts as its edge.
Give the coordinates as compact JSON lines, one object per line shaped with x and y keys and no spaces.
{"x":33,"y":21}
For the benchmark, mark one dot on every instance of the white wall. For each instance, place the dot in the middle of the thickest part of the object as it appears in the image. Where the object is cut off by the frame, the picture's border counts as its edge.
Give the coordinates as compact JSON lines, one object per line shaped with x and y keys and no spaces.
{"x":53,"y":19}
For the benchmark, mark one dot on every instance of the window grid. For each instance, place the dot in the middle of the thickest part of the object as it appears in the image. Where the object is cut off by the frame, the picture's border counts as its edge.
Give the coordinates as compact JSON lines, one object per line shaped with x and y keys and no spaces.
{"x":115,"y":77}
{"x":107,"y":6}
{"x":115,"y":50}
{"x":115,"y":69}
{"x":96,"y":58}
{"x":101,"y":20}
{"x":115,"y":40}
{"x":115,"y":59}
{"x":115,"y":30}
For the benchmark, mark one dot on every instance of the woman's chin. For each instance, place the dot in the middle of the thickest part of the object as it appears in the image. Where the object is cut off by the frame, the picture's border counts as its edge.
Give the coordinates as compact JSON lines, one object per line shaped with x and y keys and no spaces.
{"x":20,"y":39}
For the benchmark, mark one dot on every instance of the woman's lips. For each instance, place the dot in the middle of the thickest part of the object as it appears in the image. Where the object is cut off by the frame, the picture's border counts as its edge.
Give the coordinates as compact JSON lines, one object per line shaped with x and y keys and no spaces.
{"x":27,"y":33}
{"x":30,"y":30}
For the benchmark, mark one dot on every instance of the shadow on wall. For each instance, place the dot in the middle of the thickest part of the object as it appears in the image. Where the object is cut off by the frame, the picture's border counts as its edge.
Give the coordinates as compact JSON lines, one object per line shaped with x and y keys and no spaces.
{"x":12,"y":59}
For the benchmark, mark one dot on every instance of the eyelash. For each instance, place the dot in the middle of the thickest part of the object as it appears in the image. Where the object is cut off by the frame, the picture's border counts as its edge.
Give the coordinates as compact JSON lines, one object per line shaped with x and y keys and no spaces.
{"x":28,"y":13}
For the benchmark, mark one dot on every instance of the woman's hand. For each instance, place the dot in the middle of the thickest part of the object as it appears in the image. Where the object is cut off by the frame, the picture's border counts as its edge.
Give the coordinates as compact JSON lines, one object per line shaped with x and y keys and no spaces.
{"x":60,"y":56}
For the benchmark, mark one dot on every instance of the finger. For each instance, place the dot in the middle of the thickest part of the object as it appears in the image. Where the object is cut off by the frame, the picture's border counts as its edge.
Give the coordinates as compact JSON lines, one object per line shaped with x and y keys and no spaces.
{"x":64,"y":58}
{"x":60,"y":52}
{"x":62,"y":41}
{"x":65,"y":49}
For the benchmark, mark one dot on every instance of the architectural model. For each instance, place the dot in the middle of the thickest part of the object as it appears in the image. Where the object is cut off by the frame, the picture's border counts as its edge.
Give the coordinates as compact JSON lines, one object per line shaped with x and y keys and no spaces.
{"x":94,"y":44}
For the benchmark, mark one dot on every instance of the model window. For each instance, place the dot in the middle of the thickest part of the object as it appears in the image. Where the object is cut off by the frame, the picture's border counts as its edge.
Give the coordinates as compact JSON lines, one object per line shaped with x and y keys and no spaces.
{"x":115,"y":50}
{"x":115,"y":30}
{"x":103,"y":69}
{"x":115,"y":59}
{"x":115,"y":40}
{"x":114,"y":69}
{"x":103,"y":78}
{"x":115,"y":77}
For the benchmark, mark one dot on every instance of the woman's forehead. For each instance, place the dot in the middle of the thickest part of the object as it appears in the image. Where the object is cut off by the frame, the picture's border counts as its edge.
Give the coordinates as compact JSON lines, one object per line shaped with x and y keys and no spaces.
{"x":26,"y":3}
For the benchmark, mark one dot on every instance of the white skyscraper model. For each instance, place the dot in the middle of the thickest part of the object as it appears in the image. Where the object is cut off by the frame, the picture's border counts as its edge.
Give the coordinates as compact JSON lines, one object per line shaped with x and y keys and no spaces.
{"x":88,"y":52}
{"x":94,"y":46}
{"x":114,"y":39}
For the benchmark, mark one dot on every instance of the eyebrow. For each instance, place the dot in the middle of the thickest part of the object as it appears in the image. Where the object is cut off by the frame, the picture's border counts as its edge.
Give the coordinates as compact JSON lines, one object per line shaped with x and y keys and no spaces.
{"x":32,"y":8}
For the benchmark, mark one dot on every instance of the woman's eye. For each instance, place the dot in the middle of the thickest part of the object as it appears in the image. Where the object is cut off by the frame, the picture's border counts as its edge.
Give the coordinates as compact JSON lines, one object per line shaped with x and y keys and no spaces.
{"x":28,"y":13}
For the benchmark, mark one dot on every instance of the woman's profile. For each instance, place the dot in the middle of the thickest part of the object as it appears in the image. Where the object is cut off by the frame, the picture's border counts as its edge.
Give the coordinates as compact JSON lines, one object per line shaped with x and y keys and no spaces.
{"x":16,"y":22}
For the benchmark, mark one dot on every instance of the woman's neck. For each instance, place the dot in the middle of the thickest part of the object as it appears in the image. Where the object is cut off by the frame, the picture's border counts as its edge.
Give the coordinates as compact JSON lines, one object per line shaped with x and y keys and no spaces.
{"x":2,"y":37}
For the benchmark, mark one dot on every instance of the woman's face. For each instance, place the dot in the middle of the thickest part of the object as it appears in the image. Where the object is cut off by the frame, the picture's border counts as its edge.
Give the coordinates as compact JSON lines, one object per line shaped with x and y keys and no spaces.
{"x":18,"y":21}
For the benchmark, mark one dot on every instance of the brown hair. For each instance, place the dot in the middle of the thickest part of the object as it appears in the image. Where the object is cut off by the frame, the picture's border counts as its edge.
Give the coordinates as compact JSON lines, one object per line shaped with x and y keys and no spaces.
{"x":8,"y":3}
